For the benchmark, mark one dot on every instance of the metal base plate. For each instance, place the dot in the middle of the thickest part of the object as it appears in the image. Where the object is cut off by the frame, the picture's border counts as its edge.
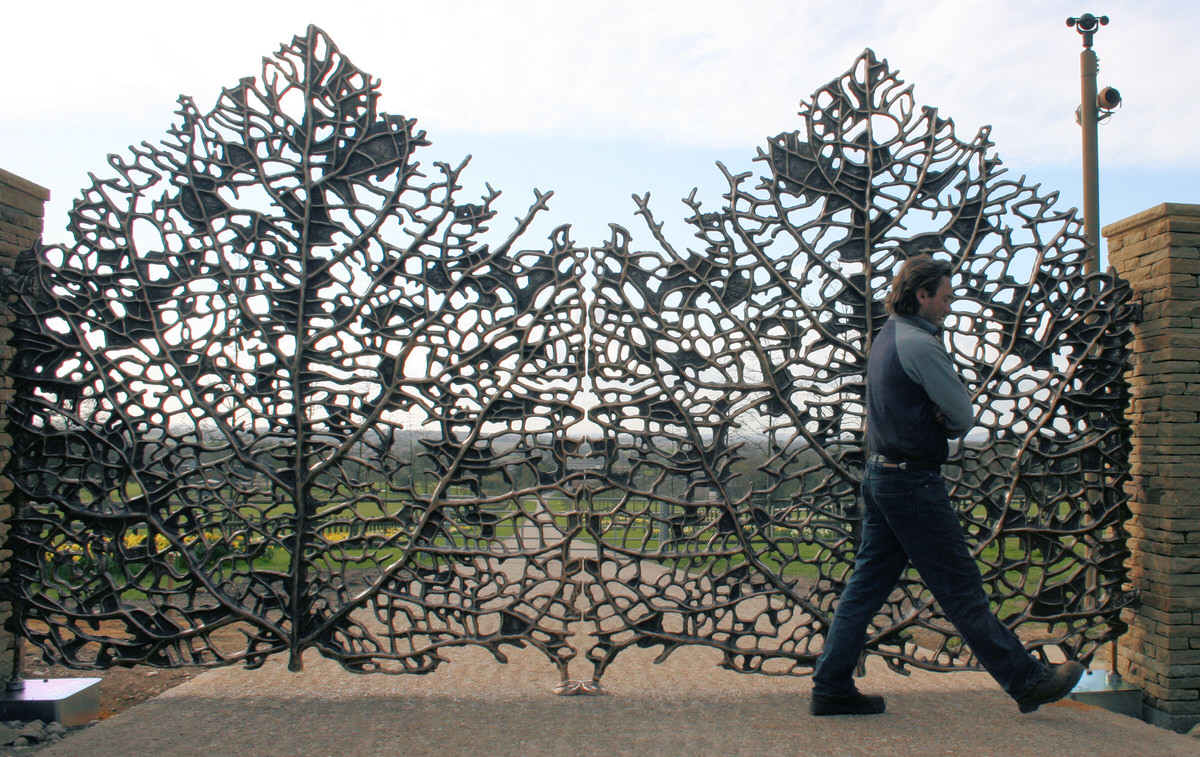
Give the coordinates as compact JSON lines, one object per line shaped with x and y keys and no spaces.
{"x":1109,"y":691}
{"x":70,"y":701}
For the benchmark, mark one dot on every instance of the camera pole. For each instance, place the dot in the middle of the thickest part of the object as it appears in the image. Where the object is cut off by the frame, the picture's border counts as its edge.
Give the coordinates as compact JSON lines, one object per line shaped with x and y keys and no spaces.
{"x":1087,"y":25}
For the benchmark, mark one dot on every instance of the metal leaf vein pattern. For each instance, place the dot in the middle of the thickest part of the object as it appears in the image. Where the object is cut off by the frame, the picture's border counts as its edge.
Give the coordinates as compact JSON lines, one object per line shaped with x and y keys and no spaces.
{"x":288,"y":391}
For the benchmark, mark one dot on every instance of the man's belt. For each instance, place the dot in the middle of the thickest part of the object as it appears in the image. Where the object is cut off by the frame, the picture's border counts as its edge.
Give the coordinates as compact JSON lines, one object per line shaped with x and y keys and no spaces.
{"x":892,"y":463}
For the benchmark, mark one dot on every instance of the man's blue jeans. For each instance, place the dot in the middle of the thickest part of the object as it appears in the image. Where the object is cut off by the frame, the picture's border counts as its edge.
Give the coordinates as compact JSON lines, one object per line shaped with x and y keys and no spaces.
{"x":907,"y":517}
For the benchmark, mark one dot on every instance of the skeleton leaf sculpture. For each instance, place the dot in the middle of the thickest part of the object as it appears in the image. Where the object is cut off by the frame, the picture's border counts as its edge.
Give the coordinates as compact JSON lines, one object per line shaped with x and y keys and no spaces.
{"x":287,"y":389}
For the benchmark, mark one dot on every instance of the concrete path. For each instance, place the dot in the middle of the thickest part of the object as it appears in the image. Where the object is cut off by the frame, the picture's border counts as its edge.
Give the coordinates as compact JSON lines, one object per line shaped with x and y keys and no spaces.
{"x":684,"y":707}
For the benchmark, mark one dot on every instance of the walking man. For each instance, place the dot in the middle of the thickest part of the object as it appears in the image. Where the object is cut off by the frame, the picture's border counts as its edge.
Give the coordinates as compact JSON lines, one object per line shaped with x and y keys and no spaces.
{"x":915,"y":403}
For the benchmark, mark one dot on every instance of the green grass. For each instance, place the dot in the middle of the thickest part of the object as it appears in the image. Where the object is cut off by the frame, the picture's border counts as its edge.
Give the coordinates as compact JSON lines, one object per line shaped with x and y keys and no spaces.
{"x":639,"y":527}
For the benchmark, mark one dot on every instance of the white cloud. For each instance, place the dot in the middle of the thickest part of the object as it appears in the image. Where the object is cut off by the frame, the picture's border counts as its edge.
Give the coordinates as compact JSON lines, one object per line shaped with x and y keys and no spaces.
{"x":692,"y":72}
{"x":85,"y":78}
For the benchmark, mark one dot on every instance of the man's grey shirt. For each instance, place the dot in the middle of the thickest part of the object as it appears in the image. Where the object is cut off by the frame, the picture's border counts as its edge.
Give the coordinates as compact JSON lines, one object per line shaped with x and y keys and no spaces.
{"x":909,"y":376}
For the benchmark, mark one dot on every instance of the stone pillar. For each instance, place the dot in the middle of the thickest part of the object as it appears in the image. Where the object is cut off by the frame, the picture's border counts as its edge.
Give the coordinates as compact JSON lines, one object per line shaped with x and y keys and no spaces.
{"x":22,"y":205}
{"x":1158,"y":252}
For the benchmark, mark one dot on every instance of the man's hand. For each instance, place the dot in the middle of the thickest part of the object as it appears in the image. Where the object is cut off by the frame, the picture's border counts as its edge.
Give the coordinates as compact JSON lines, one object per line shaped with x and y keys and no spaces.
{"x":939,"y":417}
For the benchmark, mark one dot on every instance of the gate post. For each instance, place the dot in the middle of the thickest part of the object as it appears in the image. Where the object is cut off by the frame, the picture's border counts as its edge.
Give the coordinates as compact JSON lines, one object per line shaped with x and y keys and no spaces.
{"x":1158,"y":252}
{"x":22,"y":208}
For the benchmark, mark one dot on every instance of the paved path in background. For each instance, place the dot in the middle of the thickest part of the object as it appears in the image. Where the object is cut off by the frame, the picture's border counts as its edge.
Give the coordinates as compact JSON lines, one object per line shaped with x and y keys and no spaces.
{"x":684,"y":707}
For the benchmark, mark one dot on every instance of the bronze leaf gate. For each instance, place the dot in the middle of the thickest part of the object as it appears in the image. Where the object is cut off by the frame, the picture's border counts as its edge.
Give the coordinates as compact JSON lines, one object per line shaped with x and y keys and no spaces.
{"x":281,"y":393}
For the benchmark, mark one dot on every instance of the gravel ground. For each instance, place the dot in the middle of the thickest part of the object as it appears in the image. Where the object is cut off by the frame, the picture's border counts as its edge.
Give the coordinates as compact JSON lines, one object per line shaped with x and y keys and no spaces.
{"x":684,"y":706}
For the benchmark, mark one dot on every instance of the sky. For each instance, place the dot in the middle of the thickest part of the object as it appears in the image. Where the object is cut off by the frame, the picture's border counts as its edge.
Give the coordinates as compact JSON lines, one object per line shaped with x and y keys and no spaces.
{"x":600,"y":100}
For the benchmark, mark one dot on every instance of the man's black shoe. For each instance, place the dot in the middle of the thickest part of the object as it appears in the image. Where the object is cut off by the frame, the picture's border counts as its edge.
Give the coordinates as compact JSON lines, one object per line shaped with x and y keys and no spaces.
{"x":1060,"y":681}
{"x":854,"y":704}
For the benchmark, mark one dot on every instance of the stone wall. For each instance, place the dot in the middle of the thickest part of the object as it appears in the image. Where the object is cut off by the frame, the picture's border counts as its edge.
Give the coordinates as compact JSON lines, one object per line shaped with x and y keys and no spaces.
{"x":1158,"y":252}
{"x":21,"y":211}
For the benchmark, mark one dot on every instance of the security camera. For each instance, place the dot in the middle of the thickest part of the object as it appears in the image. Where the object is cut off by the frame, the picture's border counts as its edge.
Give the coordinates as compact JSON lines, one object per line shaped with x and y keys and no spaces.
{"x":1108,"y":99}
{"x":1087,"y":22}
